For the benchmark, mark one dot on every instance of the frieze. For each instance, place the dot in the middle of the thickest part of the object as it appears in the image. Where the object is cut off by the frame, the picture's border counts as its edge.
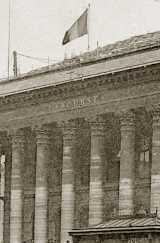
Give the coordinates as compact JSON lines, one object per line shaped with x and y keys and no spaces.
{"x":63,"y":91}
{"x":76,"y":103}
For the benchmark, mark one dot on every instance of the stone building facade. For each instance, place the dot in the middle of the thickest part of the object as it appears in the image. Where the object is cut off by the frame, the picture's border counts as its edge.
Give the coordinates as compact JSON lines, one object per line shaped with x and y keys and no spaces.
{"x":80,"y":148}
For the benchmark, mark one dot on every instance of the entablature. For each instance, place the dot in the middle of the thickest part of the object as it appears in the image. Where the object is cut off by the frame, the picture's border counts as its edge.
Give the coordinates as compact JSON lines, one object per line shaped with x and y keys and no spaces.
{"x":87,"y":86}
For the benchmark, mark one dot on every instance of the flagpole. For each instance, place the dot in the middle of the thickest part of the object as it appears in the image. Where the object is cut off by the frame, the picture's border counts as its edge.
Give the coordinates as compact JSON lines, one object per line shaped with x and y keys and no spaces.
{"x":9,"y":36}
{"x":88,"y":27}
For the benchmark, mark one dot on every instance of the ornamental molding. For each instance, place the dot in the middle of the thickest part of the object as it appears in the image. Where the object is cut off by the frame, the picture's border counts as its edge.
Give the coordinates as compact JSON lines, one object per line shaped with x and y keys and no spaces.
{"x":111,"y":81}
{"x":17,"y":137}
{"x":68,"y":129}
{"x":97,"y":125}
{"x":127,"y":119}
{"x":155,"y":113}
{"x":43,"y":134}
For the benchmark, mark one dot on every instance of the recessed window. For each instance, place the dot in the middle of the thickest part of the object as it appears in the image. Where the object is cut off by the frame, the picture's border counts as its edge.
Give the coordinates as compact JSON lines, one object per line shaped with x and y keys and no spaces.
{"x":144,"y":150}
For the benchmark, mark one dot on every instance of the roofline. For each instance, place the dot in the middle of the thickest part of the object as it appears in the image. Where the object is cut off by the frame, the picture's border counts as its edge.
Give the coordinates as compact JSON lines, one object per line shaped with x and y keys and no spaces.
{"x":145,"y":64}
{"x":87,"y":61}
{"x":82,"y":63}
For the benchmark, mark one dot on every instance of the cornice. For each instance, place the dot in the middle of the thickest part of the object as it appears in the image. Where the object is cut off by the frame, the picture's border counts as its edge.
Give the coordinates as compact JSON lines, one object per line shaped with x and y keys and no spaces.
{"x":121,"y":79}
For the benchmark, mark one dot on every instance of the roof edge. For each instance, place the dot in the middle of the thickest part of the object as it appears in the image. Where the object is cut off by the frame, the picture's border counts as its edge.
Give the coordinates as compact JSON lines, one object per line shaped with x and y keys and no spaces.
{"x":129,"y":46}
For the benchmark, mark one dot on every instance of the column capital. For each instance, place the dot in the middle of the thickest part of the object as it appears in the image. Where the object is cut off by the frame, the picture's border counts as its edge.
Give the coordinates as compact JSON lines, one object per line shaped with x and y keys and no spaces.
{"x":97,"y":125}
{"x":68,"y":128}
{"x":43,"y":133}
{"x":39,"y":128}
{"x":97,"y":119}
{"x":17,"y":136}
{"x":127,"y":119}
{"x":156,"y":114}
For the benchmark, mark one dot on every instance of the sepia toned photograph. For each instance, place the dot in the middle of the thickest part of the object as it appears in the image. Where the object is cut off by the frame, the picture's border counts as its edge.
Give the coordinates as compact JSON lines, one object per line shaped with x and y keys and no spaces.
{"x":80,"y":121}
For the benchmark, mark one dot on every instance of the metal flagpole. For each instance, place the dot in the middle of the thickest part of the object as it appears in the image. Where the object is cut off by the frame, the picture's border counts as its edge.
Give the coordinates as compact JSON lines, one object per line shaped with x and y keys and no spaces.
{"x":88,"y":25}
{"x":15,"y":68}
{"x":9,"y":36}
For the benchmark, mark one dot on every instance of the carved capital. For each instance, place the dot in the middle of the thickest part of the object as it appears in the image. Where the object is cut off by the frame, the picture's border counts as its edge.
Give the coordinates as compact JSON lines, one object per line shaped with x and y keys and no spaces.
{"x":69,"y":129}
{"x":97,"y":125}
{"x":127,"y":120}
{"x":156,"y":115}
{"x":17,"y":137}
{"x":43,"y":134}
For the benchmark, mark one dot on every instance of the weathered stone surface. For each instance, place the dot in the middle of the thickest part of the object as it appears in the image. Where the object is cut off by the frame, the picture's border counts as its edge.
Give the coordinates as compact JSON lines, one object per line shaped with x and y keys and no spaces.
{"x":17,"y":186}
{"x":82,"y":175}
{"x":127,"y":164}
{"x":111,"y":167}
{"x":143,"y":162}
{"x":29,"y":172}
{"x":68,"y":179}
{"x":155,"y":170}
{"x":54,"y":186}
{"x":41,"y":191}
{"x":97,"y":158}
{"x":120,"y":177}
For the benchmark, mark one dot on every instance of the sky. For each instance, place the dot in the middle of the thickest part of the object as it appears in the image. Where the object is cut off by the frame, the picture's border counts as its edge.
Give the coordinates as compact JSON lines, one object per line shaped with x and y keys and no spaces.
{"x":38,"y":27}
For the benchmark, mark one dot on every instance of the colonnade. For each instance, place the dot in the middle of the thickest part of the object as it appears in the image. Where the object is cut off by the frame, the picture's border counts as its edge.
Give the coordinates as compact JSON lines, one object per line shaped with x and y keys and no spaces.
{"x":97,"y":159}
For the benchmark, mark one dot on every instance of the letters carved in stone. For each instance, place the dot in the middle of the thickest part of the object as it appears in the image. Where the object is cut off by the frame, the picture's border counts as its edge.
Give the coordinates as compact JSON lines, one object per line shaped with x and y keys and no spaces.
{"x":76,"y":103}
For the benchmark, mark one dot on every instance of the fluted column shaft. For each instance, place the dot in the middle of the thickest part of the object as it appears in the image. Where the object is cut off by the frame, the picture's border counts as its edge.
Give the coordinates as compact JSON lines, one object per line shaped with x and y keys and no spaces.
{"x":96,"y":172}
{"x":155,"y":170}
{"x":16,"y":187}
{"x":127,"y":164}
{"x":68,"y":194}
{"x":41,"y":190}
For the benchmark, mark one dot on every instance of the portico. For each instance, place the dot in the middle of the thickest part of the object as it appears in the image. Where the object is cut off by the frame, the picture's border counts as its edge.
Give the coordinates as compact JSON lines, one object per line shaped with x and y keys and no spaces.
{"x":82,"y":151}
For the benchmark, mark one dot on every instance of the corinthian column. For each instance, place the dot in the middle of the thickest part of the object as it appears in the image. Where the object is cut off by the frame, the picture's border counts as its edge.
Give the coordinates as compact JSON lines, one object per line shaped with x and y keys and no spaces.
{"x":41,"y":190}
{"x":16,"y":187}
{"x":127,"y":164}
{"x":155,"y":170}
{"x":96,"y":171}
{"x":68,"y":195}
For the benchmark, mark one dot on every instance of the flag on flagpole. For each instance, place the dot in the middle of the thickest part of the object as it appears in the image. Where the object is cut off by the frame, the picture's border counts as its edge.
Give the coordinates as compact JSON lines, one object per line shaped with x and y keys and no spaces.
{"x":78,"y":29}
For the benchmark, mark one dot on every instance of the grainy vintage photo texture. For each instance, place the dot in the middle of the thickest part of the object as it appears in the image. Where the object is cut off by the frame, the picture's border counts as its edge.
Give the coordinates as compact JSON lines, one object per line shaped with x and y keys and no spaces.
{"x":80,"y":121}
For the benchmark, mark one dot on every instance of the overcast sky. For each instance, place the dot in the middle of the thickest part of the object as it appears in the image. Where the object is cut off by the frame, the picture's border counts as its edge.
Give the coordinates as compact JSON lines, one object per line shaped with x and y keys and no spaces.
{"x":38,"y":26}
